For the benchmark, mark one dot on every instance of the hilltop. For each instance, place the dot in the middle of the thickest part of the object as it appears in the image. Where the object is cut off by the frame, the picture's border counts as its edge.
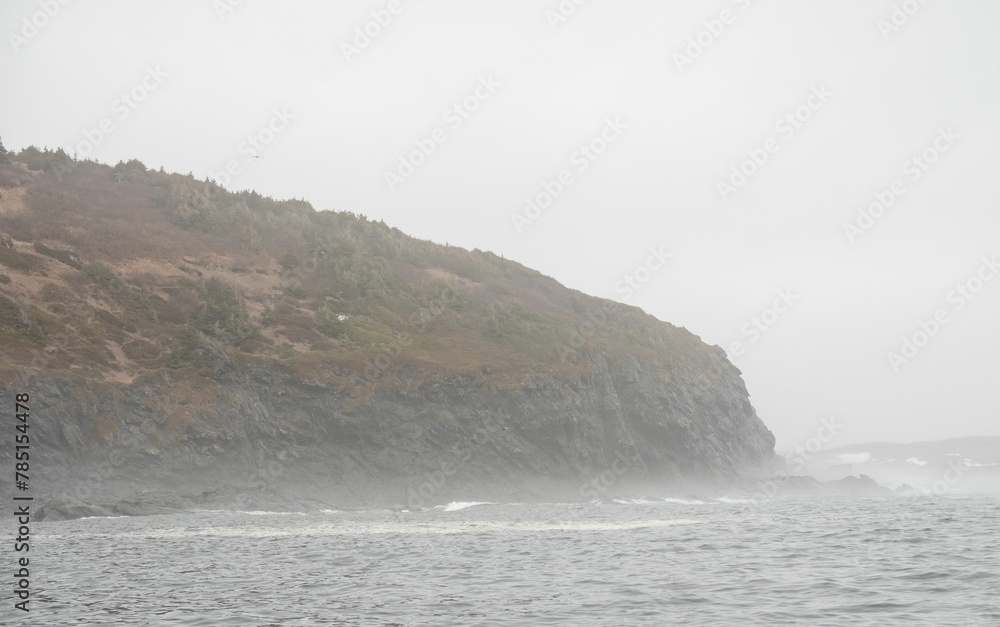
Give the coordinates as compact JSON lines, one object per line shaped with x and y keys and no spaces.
{"x":183,"y":330}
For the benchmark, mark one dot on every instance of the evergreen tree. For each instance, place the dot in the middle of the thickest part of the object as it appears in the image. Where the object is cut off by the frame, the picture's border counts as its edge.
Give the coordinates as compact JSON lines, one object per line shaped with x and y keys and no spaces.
{"x":4,"y":155}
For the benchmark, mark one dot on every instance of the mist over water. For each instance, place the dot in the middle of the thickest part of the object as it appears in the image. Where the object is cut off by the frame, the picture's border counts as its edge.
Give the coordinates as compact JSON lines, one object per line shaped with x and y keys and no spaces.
{"x":637,"y":561}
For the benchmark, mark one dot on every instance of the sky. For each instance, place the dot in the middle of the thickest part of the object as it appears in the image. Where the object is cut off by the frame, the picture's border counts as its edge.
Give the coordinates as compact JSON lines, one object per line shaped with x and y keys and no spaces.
{"x":811,"y":186}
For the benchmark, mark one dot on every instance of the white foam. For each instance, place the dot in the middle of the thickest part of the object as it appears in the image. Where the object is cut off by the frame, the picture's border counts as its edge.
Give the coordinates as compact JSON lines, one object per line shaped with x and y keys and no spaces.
{"x":683,"y":501}
{"x":456,"y":506}
{"x":726,"y":499}
{"x":397,"y":527}
{"x":100,"y":517}
{"x":916,"y":461}
{"x":971,"y":464}
{"x":607,"y":526}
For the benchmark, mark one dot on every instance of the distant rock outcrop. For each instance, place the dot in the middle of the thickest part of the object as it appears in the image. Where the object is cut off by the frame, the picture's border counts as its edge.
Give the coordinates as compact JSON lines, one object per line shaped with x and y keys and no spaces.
{"x":862,"y":485}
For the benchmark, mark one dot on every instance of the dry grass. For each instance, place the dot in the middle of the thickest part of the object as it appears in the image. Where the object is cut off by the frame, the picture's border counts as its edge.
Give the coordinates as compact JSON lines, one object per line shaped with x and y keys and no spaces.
{"x":180,"y":274}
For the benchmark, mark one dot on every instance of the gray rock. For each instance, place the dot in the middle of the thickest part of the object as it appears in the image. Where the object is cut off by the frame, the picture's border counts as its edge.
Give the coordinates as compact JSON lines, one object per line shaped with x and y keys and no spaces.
{"x":266,"y":441}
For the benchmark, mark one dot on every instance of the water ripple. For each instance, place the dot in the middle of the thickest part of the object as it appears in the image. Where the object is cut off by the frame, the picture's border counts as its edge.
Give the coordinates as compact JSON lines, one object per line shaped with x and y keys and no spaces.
{"x":631,"y":562}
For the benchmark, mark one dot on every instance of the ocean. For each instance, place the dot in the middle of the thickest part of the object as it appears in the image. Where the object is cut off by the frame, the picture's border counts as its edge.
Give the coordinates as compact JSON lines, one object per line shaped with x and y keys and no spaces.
{"x":918,"y":560}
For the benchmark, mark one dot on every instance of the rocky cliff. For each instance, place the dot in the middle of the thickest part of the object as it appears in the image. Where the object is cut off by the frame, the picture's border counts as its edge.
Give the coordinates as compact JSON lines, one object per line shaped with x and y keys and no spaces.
{"x":185,"y":346}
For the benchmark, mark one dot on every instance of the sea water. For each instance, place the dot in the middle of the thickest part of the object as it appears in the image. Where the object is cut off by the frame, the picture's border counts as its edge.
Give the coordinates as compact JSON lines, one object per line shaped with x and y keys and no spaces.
{"x":641,"y":561}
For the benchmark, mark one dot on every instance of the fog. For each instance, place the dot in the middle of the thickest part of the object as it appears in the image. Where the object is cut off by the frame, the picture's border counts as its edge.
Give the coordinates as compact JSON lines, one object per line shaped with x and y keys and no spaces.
{"x":808,"y":185}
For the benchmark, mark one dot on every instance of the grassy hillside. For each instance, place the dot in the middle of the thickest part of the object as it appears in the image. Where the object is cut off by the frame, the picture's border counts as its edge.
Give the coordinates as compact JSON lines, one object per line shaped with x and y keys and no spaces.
{"x":113,"y":273}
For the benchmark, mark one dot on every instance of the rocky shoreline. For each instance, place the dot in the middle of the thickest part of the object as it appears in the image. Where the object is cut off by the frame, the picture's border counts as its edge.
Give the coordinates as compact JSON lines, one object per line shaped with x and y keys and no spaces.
{"x":259,"y":438}
{"x":275,"y":498}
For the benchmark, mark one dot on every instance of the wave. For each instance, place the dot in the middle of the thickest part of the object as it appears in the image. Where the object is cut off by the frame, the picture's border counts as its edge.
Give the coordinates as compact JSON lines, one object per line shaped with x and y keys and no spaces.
{"x":659,"y":501}
{"x":101,"y":517}
{"x":605,"y":526}
{"x":456,"y":506}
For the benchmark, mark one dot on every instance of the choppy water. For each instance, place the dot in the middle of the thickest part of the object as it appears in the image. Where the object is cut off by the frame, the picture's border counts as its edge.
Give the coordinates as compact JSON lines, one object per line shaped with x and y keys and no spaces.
{"x":903,"y":561}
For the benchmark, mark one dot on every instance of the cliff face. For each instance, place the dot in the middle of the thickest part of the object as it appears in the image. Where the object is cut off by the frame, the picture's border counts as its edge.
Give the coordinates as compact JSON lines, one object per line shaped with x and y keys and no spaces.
{"x":319,"y":358}
{"x":261,"y":435}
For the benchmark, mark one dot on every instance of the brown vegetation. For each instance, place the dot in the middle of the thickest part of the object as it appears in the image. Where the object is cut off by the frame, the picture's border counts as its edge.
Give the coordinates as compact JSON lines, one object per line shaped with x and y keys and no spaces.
{"x":182,"y":275}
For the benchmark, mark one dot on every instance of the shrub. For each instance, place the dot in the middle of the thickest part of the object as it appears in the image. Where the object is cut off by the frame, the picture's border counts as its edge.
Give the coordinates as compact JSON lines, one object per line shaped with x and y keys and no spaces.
{"x":24,"y":262}
{"x":132,"y":171}
{"x":65,"y":256}
{"x":222,"y":314}
{"x":141,"y":351}
{"x":289,"y":261}
{"x":104,"y":276}
{"x":191,"y":351}
{"x":54,"y":293}
{"x":330,"y":326}
{"x":180,"y":307}
{"x":10,"y":313}
{"x":52,"y":161}
{"x":295,"y":291}
{"x":11,"y":175}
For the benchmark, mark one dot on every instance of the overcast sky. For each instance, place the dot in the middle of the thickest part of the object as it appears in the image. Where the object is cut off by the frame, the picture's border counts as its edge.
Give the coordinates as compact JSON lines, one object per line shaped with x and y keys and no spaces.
{"x":743,"y":138}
